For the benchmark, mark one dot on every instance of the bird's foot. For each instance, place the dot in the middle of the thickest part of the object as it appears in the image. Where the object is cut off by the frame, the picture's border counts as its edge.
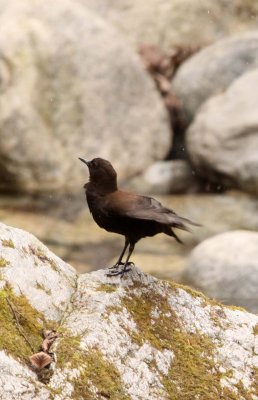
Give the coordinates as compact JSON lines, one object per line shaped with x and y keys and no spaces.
{"x":115,"y":271}
{"x":116,"y":266}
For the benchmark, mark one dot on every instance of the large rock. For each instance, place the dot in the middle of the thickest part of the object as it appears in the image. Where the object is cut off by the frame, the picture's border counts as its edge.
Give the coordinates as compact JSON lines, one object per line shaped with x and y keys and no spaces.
{"x":71,"y":87}
{"x":131,"y":338}
{"x":164,"y":23}
{"x":223,"y":139}
{"x":225,"y":267}
{"x":213,"y":69}
{"x":34,"y":271}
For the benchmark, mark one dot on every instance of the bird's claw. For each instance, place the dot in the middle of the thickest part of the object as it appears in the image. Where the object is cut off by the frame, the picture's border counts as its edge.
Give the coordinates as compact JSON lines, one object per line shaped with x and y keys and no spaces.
{"x":114,"y":271}
{"x":116,"y":266}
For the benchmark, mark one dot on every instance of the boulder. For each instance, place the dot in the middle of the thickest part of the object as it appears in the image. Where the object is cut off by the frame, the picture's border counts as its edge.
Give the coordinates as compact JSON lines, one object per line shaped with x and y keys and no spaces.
{"x":164,"y":23}
{"x":213,"y":69}
{"x":223,"y":139}
{"x":70,"y":86}
{"x":131,"y":338}
{"x":35,"y":272}
{"x":164,"y":177}
{"x":225,"y":267}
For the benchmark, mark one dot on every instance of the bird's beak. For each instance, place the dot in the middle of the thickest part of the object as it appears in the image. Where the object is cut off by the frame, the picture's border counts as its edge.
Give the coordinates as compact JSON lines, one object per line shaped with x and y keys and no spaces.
{"x":84,"y":161}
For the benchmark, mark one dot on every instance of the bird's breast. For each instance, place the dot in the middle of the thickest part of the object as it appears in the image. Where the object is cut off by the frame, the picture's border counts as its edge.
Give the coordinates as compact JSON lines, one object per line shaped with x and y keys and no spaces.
{"x":95,"y":203}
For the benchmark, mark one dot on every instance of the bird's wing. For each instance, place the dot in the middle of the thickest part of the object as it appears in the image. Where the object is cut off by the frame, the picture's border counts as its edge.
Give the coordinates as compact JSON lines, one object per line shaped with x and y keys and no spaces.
{"x":146,"y":208}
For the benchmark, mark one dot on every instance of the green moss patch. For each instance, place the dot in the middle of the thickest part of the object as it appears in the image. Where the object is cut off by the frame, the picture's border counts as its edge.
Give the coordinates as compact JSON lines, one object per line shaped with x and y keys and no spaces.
{"x":105,"y":287}
{"x":255,"y":381}
{"x":7,"y":243}
{"x":234,"y":308}
{"x":193,"y":373}
{"x":152,"y":330}
{"x":94,"y":369}
{"x":194,"y":293}
{"x":206,"y":300}
{"x":242,"y":392}
{"x":38,"y":252}
{"x":43,"y":288}
{"x":41,"y":255}
{"x":3,"y":262}
{"x":20,"y":325}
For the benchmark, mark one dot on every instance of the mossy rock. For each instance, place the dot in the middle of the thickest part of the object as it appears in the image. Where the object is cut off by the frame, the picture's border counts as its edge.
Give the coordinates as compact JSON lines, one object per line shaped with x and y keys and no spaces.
{"x":134,"y":337}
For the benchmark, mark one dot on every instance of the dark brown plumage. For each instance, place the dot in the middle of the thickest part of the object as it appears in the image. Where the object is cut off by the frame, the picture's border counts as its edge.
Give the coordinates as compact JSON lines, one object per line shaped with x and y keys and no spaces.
{"x":126,"y":213}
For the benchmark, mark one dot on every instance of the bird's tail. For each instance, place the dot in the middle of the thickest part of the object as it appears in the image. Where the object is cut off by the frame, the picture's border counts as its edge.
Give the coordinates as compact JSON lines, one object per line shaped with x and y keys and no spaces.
{"x":179,"y":223}
{"x":168,"y":231}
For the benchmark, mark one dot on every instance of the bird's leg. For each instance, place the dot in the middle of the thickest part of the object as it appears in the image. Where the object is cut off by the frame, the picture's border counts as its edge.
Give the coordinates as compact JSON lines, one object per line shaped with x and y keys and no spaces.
{"x":126,"y":266}
{"x":119,"y":261}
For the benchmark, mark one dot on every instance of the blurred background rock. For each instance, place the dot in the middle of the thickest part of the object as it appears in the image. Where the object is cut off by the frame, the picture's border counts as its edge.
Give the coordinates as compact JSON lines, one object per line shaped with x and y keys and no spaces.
{"x":167,"y":91}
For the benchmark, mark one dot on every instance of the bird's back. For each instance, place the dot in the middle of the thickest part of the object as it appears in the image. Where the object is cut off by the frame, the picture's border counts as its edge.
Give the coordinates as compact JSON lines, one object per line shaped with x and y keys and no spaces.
{"x":132,"y":215}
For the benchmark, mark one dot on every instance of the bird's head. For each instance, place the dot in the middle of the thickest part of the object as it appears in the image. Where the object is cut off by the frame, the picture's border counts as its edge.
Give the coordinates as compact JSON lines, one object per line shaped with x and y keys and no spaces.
{"x":102,"y":174}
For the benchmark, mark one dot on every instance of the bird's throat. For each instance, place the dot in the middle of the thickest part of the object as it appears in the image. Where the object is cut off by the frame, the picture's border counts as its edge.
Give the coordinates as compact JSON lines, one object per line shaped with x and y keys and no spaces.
{"x":102,"y":188}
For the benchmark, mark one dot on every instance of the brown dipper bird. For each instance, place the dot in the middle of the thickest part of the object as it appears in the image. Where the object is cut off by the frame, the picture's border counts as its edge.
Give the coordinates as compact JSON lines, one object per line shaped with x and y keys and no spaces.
{"x":126,"y":213}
